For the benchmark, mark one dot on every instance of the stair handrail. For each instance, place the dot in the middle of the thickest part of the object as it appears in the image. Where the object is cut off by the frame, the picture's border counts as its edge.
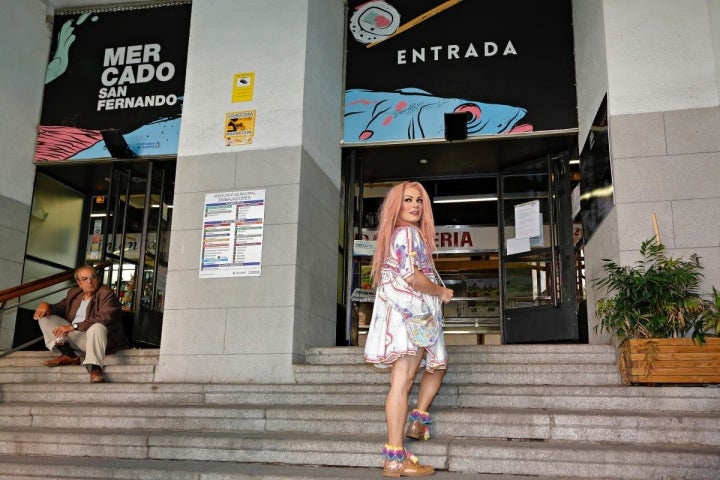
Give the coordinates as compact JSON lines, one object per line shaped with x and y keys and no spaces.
{"x":34,"y":286}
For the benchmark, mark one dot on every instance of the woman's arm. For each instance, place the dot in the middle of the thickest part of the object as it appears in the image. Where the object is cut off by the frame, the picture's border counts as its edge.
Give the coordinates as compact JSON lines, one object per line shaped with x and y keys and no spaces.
{"x":420,"y":282}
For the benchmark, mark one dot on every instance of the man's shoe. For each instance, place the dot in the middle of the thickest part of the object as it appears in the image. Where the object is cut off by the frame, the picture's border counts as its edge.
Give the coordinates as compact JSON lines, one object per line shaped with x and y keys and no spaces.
{"x":62,"y":360}
{"x":96,"y":376}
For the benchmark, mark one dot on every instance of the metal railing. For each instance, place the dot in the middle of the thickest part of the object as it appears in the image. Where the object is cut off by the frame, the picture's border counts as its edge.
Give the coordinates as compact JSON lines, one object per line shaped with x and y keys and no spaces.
{"x":14,"y":293}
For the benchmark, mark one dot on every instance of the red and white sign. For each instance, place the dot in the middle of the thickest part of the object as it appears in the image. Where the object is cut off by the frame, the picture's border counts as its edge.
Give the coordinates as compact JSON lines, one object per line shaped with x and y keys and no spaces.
{"x":457,"y":239}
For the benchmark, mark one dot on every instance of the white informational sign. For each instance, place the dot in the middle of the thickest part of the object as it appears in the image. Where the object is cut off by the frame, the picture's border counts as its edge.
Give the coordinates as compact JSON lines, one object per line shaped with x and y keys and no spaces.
{"x":364,"y":247}
{"x":526,"y":219}
{"x":232,"y":234}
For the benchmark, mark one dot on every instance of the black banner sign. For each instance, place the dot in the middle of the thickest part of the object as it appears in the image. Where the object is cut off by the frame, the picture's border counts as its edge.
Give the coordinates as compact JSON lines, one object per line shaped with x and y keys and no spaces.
{"x":114,"y":69}
{"x":508,"y":65}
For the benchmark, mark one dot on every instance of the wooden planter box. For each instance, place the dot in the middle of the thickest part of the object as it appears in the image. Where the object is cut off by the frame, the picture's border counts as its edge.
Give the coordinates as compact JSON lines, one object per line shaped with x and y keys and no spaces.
{"x":670,"y":360}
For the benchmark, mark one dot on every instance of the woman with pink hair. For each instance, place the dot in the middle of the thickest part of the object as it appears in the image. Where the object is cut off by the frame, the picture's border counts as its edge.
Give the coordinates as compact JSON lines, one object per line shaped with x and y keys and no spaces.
{"x":403,"y":267}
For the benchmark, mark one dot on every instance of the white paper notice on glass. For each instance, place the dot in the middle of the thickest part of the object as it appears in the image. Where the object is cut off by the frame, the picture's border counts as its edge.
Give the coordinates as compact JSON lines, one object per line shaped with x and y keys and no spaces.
{"x":538,"y":241}
{"x":232,"y":234}
{"x":517,"y":245}
{"x":526,"y":219}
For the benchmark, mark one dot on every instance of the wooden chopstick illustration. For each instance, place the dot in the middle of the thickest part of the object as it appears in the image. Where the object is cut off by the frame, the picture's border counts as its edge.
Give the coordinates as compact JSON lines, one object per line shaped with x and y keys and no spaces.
{"x":418,"y":19}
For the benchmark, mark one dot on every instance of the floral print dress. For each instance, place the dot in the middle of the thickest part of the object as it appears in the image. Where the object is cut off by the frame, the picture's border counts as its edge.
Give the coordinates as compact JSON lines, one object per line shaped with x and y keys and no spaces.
{"x":387,"y":338}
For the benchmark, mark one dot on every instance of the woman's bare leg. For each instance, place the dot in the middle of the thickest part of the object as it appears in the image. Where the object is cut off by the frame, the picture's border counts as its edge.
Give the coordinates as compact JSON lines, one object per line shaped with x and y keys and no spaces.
{"x":396,"y":405}
{"x":429,"y":387}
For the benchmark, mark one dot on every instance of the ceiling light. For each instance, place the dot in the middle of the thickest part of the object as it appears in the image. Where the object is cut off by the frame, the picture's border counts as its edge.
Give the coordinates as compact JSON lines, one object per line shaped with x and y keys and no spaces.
{"x":487,"y":197}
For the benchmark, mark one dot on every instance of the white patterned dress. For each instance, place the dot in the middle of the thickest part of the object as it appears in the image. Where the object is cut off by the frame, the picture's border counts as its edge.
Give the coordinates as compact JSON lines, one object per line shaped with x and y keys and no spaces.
{"x":387,"y":338}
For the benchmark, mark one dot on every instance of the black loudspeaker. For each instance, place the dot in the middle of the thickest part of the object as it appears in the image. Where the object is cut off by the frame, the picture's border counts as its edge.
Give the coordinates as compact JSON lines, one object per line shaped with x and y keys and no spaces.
{"x":116,"y":144}
{"x":456,"y":126}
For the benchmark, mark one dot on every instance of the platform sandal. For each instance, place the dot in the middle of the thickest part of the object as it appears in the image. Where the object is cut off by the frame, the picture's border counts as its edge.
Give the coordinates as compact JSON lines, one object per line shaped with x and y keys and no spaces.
{"x":401,"y":463}
{"x":419,"y":426}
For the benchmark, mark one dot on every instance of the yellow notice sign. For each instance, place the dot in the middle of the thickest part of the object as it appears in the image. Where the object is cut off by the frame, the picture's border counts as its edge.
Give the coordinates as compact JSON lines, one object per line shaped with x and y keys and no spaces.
{"x":243,"y":85}
{"x":239,"y":127}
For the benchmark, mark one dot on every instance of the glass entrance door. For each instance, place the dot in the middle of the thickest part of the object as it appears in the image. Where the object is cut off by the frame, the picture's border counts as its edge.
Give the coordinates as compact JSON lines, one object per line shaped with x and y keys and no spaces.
{"x":130,"y":226}
{"x":537,"y":274}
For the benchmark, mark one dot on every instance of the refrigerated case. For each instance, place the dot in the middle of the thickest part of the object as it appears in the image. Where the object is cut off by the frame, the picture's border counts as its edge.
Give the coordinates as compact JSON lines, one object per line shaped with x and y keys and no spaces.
{"x":475,"y":306}
{"x":473,"y":313}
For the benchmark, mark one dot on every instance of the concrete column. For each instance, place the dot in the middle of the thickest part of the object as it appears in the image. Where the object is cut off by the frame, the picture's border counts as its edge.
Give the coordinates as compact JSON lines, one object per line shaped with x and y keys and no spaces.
{"x":663,"y":86}
{"x":664,"y":117}
{"x":252,"y":329}
{"x":25,"y":37}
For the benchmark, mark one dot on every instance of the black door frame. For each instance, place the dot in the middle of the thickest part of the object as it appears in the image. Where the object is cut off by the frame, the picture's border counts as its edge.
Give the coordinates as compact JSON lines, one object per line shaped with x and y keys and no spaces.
{"x":554,"y":317}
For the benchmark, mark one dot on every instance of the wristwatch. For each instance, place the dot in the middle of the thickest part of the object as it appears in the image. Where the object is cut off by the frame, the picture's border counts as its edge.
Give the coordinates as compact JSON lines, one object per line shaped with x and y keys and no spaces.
{"x":75,"y":326}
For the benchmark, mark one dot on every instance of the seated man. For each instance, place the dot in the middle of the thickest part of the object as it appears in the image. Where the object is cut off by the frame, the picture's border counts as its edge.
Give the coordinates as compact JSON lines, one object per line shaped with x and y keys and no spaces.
{"x":87,"y":320}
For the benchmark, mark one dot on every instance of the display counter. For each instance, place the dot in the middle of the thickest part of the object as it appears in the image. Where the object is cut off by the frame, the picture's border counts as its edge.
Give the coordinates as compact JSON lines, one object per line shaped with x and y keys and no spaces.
{"x":474,"y":309}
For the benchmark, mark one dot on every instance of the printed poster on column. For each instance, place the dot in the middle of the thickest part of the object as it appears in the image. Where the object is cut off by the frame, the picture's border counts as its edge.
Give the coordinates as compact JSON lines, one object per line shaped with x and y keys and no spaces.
{"x":232,"y":234}
{"x":239,"y":127}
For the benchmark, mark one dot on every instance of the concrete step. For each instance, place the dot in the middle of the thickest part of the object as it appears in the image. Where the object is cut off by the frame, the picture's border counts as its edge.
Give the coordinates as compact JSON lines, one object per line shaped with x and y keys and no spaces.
{"x":482,"y":373}
{"x":137,"y":373}
{"x":474,"y":354}
{"x":583,"y":460}
{"x":62,"y":468}
{"x":599,"y":461}
{"x":211,"y":394}
{"x":552,"y":353}
{"x":134,"y":356}
{"x":595,"y":426}
{"x":511,"y":364}
{"x":134,"y":365}
{"x":550,"y":411}
{"x":460,"y":354}
{"x":581,"y":398}
{"x":586,"y":397}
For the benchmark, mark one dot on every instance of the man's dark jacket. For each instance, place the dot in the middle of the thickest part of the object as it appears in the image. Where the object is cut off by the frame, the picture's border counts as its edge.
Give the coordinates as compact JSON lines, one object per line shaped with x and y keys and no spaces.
{"x":104,"y":308}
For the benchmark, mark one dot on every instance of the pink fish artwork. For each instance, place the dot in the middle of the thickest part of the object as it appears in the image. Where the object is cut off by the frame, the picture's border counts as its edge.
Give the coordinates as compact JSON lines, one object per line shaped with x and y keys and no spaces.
{"x":58,"y":143}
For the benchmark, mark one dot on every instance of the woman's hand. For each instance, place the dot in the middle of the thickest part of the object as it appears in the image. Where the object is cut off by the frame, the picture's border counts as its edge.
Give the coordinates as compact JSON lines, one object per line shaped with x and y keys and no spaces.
{"x":446,"y":295}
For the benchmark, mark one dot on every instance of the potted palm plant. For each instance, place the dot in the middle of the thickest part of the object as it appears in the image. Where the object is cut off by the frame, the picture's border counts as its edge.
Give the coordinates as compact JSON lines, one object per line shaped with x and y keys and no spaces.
{"x":665,"y":328}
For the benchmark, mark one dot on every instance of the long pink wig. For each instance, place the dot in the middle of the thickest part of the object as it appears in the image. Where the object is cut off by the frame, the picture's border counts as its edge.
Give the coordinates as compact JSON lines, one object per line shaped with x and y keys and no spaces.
{"x":389,"y":212}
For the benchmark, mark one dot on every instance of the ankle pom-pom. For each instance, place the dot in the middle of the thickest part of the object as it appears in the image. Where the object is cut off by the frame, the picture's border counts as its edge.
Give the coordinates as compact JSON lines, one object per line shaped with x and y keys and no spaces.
{"x":393,"y":453}
{"x":421,"y":415}
{"x":411,"y":457}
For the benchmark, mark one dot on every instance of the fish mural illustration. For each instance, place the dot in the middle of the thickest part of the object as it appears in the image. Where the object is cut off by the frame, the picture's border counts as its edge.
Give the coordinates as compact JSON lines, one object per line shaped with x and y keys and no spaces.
{"x":59,"y":143}
{"x":412,"y":113}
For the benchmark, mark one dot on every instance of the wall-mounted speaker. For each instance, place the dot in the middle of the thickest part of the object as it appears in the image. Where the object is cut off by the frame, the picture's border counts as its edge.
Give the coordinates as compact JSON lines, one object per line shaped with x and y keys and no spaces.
{"x":456,"y":126}
{"x":116,"y":144}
